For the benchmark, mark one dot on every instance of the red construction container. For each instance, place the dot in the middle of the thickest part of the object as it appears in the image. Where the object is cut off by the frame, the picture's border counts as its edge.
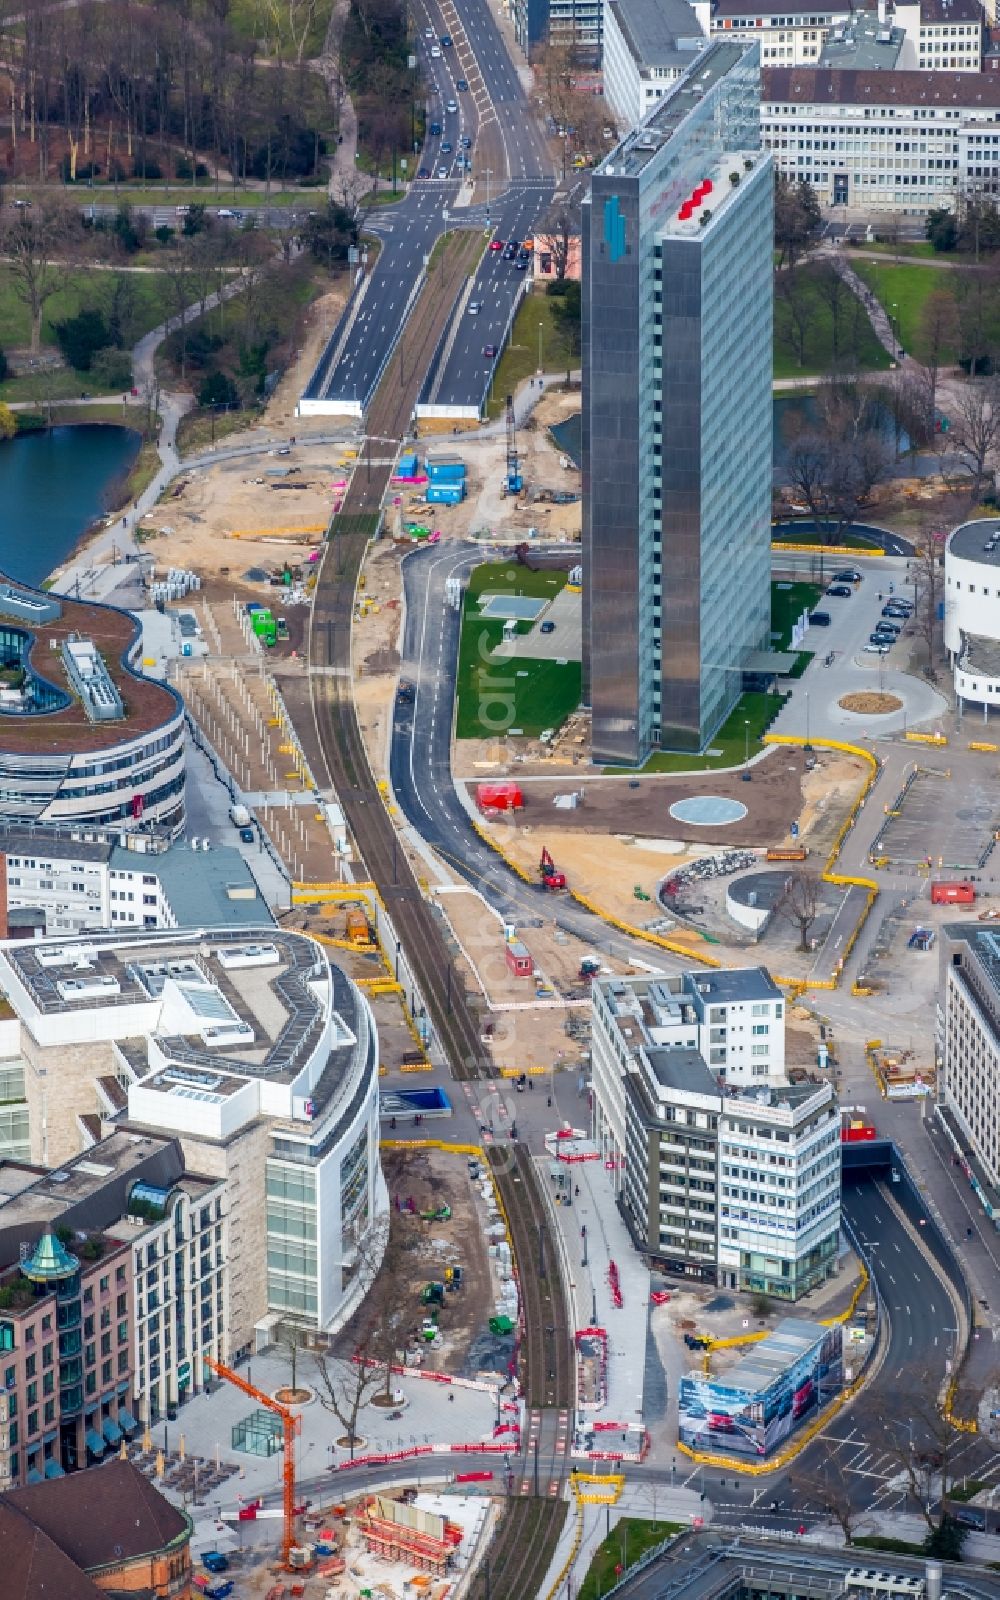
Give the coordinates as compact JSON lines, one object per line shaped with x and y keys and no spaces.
{"x":520,"y":962}
{"x":857,"y":1133}
{"x":952,"y":894}
{"x":499,"y":797}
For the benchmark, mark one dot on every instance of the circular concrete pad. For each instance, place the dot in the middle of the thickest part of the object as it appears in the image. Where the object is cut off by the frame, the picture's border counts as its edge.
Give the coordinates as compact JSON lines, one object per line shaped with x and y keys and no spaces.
{"x":708,"y":811}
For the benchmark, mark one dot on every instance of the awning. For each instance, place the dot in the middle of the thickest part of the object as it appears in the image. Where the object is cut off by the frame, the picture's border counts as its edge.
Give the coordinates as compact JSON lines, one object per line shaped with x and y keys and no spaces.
{"x":34,"y":1476}
{"x":53,"y":1469}
{"x":111,"y":1432}
{"x":126,"y":1420}
{"x":95,"y":1444}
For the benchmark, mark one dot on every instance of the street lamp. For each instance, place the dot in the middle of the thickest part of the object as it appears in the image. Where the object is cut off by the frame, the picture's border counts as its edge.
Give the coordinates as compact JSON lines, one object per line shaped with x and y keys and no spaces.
{"x":746,"y":742}
{"x":541,"y":331}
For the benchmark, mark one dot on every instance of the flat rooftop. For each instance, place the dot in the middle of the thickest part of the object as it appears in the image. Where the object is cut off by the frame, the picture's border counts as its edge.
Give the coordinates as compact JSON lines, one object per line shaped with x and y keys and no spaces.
{"x":32,"y":1194}
{"x":863,"y":42}
{"x":738,"y":984}
{"x":636,"y":150}
{"x":653,"y":29}
{"x":980,"y":655}
{"x":789,"y":1341}
{"x":67,"y":728}
{"x":220,"y":1005}
{"x":977,"y":541}
{"x":682,"y":1069}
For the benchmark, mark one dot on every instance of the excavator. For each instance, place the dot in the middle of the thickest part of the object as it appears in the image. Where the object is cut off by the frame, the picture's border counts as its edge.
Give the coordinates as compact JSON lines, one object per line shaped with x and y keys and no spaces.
{"x":552,"y":878}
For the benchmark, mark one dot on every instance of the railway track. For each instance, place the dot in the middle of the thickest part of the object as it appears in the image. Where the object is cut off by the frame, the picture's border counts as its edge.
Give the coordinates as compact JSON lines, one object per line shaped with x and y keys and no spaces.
{"x":523,"y":1550}
{"x":521,"y":1553}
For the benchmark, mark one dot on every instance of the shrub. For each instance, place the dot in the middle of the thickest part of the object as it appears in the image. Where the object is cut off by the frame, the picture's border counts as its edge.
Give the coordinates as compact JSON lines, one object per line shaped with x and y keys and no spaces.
{"x":113,"y":367}
{"x":218,"y":389}
{"x":80,"y":337}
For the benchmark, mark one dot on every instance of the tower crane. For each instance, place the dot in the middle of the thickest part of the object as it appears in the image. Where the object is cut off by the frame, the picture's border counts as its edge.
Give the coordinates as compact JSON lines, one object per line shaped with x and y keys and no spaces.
{"x":514,"y":479}
{"x":290,"y":1426}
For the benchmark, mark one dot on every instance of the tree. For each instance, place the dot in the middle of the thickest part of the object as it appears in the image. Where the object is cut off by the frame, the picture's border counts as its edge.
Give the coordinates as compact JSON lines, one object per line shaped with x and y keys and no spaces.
{"x":936,"y":340}
{"x":31,"y":236}
{"x":946,"y":1540}
{"x":292,"y":1340}
{"x":942,"y":229}
{"x":974,"y":433}
{"x":796,"y":296}
{"x":798,"y":219}
{"x":567,"y":314}
{"x":925,"y":1448}
{"x":112,"y":368}
{"x":218,"y":389}
{"x":330,"y":234}
{"x":8,"y":422}
{"x":81,"y":337}
{"x":928,"y":571}
{"x":345,"y":1386}
{"x":800,"y":903}
{"x":558,"y":234}
{"x":825,"y":1482}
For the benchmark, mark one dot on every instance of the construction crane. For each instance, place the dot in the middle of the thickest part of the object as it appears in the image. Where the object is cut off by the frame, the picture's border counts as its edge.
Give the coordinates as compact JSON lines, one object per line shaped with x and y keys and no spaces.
{"x":290,"y":1425}
{"x":514,"y":478}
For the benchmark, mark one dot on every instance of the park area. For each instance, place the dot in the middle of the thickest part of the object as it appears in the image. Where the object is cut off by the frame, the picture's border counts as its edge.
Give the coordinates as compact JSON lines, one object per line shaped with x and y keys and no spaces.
{"x":819,"y":321}
{"x":500,"y":695}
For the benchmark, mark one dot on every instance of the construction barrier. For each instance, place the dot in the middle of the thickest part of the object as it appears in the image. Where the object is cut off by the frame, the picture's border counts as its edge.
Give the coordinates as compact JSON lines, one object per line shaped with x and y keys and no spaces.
{"x":633,"y":932}
{"x":978,"y":744}
{"x":925,"y":738}
{"x":611,"y":1482}
{"x":829,"y":549}
{"x":574,"y":1551}
{"x":761,"y":1469}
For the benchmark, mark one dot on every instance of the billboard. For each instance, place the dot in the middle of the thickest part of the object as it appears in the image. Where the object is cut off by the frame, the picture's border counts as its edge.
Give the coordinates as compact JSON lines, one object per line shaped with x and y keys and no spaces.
{"x":734,"y":1418}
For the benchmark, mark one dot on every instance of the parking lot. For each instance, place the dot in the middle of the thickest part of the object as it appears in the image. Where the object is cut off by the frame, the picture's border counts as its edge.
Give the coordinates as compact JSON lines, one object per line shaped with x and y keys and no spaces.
{"x":960,"y":819}
{"x":843,"y":666}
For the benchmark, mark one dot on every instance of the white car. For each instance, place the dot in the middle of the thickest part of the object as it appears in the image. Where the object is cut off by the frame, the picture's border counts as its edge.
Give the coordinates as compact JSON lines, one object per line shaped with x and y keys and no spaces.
{"x":452,"y":107}
{"x":876,"y":649}
{"x":428,"y":33}
{"x":224,"y":211}
{"x":475,"y":306}
{"x":436,"y":52}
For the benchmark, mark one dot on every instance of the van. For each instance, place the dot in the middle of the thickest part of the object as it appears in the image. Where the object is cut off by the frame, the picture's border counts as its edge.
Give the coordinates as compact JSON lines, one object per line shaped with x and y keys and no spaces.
{"x":819,"y":619}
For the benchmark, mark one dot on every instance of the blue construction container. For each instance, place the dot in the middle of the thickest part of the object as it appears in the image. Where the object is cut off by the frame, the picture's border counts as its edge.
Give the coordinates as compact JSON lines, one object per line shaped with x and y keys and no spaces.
{"x":445,"y":494}
{"x":407,"y":467}
{"x":445,"y":471}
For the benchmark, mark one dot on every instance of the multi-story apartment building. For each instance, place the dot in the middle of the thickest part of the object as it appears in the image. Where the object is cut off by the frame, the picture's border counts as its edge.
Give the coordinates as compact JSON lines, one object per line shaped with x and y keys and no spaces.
{"x":677,"y":308}
{"x":259,"y":1056}
{"x":133,"y":1191}
{"x":77,"y":878}
{"x":968,"y":1048}
{"x":719,"y":1175}
{"x":575,"y":24}
{"x":892,"y":142}
{"x":65,"y":1356}
{"x":647,"y":45}
{"x":937,"y":34}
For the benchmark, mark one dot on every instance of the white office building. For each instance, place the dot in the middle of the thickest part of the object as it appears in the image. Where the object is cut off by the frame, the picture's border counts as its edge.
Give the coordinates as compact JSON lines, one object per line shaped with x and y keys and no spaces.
{"x":723,"y":1170}
{"x":884,"y":142}
{"x":969,"y":1053}
{"x":258,"y":1055}
{"x":972,"y":612}
{"x":647,"y":45}
{"x":939,"y":35}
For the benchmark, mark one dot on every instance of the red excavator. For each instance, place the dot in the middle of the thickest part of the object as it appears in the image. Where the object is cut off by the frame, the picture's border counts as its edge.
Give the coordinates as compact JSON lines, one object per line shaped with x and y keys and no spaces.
{"x":551,"y":877}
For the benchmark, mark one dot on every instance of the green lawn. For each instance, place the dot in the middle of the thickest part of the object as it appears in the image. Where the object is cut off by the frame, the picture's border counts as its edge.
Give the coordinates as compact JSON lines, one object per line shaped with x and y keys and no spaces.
{"x":808,"y":536}
{"x":856,"y":334}
{"x":730,"y":744}
{"x":80,"y":287}
{"x":628,"y":1540}
{"x":788,"y":601}
{"x":520,"y":356}
{"x":497,"y":694}
{"x":923,"y":251}
{"x":902,"y":291}
{"x":176,"y":193}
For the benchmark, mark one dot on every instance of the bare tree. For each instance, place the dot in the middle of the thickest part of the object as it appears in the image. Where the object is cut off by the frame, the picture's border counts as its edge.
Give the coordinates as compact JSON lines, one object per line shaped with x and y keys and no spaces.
{"x":825,"y":1483}
{"x":937,"y":339}
{"x":975,"y":429}
{"x":346,"y":1386}
{"x":31,"y":239}
{"x":293,"y":1339}
{"x":924,"y":1446}
{"x":800,"y":903}
{"x":792,"y":290}
{"x":927,"y":566}
{"x":558,"y":233}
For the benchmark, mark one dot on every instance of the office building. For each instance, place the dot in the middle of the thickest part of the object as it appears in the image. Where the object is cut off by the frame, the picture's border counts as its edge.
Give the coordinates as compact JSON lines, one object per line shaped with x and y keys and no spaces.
{"x":724,"y":1172}
{"x":95,"y":1534}
{"x":968,"y":1048}
{"x":938,"y":35}
{"x":573,"y":24}
{"x":259,"y":1056}
{"x":84,"y":736}
{"x":134,"y":1189}
{"x":676,"y":428}
{"x":647,"y":45}
{"x":972,"y":612}
{"x":65,"y":1353}
{"x":885,"y":142}
{"x":76,"y":878}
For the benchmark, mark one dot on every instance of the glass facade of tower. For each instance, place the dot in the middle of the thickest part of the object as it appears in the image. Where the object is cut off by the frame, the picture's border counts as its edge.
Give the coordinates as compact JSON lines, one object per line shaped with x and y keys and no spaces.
{"x":677,"y":413}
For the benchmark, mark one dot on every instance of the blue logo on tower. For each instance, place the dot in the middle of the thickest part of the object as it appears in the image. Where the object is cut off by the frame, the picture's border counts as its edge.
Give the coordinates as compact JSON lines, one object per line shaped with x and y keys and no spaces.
{"x":614,"y":229}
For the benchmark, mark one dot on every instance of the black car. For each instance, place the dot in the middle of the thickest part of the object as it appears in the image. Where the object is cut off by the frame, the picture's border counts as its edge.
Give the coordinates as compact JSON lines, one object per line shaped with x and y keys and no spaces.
{"x":897,"y":608}
{"x":461,"y":86}
{"x":841,"y":591}
{"x":435,"y":129}
{"x":509,"y":252}
{"x":849,"y":575}
{"x":881,"y":638}
{"x":446,"y":40}
{"x":446,"y":148}
{"x":819,"y":619}
{"x":890,"y":629}
{"x":522,"y":263}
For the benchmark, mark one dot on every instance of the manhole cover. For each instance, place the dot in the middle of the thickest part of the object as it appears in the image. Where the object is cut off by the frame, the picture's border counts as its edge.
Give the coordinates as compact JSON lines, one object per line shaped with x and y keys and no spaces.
{"x":708,"y":811}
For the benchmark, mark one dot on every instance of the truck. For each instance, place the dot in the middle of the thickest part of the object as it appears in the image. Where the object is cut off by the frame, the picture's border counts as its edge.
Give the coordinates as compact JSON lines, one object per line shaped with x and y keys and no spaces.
{"x":239,"y":816}
{"x":358,"y":931}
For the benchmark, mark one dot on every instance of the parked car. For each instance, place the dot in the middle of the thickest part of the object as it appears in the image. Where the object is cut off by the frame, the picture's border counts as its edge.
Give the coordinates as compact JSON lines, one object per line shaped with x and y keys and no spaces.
{"x":877,"y":649}
{"x":819,"y":619}
{"x":841,"y":591}
{"x":891,"y":630}
{"x":881,"y":638}
{"x":897,"y":608}
{"x":547,"y":627}
{"x":215,"y":1561}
